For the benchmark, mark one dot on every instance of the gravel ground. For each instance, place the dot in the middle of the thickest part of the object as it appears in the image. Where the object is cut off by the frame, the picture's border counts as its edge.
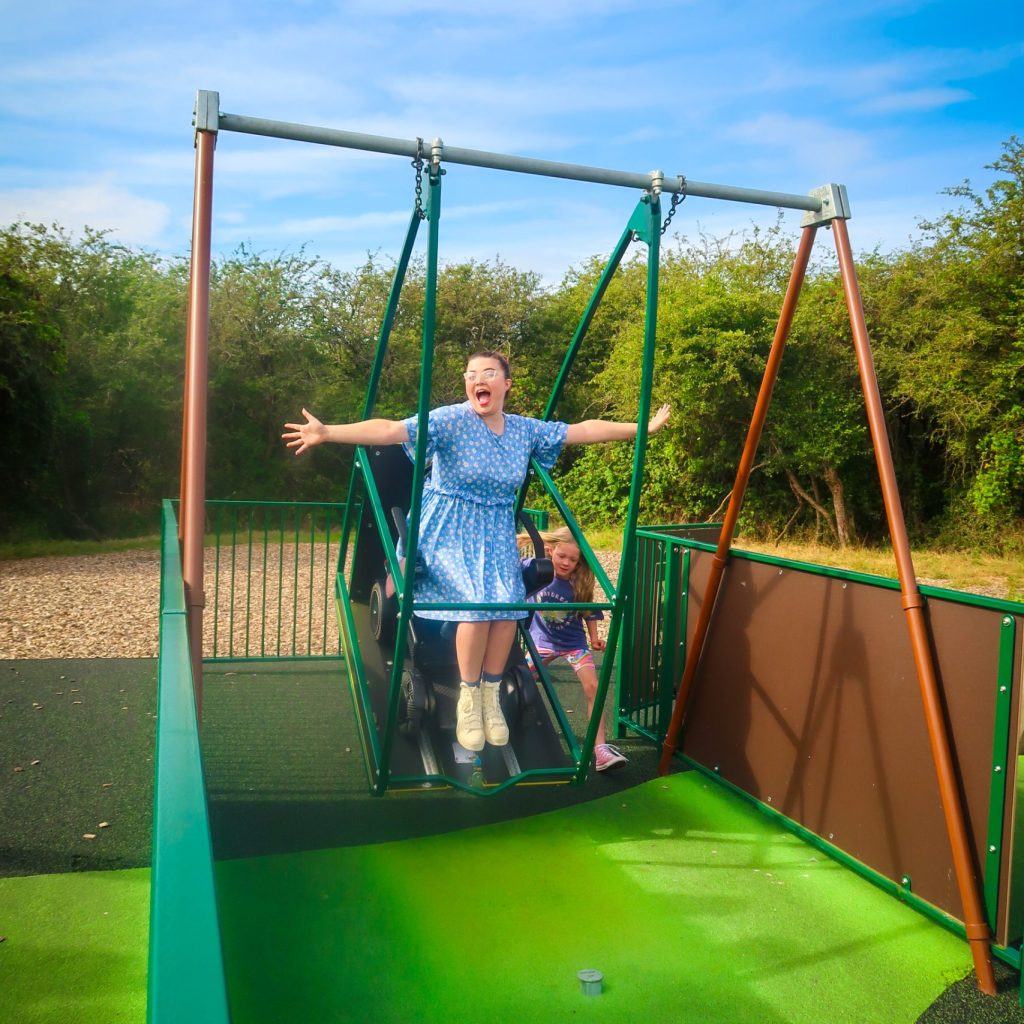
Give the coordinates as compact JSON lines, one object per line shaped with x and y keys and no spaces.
{"x":93,"y":606}
{"x":106,"y":606}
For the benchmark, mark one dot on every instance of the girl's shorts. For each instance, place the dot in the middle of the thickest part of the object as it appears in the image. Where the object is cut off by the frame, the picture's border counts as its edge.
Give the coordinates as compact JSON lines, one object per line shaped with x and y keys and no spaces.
{"x":579,"y":659}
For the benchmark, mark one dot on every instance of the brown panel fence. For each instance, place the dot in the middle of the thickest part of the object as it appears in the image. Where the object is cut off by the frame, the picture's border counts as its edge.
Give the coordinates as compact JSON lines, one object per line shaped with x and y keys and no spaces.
{"x":807,"y":700}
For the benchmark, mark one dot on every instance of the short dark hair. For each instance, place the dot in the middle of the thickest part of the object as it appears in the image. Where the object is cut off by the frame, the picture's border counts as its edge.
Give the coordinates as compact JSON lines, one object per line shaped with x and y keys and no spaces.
{"x":497,"y":356}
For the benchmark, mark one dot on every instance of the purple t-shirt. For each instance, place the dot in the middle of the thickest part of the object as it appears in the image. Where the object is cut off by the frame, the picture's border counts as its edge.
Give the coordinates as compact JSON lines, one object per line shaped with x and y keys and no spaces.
{"x":561,"y":631}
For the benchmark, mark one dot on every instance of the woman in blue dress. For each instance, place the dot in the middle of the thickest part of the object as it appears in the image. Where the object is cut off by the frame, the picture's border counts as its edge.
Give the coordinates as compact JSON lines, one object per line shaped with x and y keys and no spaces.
{"x":467,"y":538}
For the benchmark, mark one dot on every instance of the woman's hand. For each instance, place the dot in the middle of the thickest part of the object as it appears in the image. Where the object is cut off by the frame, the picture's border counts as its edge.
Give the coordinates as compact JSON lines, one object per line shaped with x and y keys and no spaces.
{"x":301,"y":436}
{"x":660,"y":419}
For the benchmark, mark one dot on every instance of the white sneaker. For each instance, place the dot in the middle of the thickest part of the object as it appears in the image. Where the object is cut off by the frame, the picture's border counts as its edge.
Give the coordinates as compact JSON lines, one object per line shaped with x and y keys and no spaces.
{"x":495,"y":728}
{"x":469,"y":722}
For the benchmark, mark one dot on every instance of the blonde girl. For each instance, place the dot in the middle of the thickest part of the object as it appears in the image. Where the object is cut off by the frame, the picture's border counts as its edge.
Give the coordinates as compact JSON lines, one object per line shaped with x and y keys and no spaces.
{"x":572,"y":634}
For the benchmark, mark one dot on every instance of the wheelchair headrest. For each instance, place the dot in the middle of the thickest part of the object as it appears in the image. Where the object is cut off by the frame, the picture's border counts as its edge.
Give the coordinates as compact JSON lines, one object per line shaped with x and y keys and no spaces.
{"x":537,"y":574}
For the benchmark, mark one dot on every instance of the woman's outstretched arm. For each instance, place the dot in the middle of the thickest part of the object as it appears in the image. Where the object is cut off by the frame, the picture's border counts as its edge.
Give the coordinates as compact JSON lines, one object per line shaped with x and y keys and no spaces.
{"x":301,"y":436}
{"x":592,"y":431}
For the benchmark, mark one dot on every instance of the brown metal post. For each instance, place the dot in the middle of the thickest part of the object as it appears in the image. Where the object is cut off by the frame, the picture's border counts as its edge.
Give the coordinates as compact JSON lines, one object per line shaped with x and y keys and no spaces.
{"x":193,"y":509}
{"x":978,"y":934}
{"x":182,"y":492}
{"x":721,"y":557}
{"x":183,"y":488}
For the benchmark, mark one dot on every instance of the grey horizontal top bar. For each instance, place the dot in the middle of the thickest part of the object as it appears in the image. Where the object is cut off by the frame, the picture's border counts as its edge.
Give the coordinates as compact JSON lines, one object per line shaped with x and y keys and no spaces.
{"x":502,"y":162}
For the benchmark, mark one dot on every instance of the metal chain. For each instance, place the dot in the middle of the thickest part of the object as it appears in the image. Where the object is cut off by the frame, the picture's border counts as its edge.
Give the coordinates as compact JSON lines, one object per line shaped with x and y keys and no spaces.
{"x":677,"y":198}
{"x":418,"y":164}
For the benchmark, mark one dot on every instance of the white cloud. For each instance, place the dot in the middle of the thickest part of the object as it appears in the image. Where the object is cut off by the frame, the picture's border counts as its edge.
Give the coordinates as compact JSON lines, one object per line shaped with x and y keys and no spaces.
{"x":528,"y":11}
{"x":915,"y":100}
{"x":96,"y":106}
{"x":311,"y":229}
{"x":283,"y":168}
{"x":814,"y":145}
{"x":98,"y":204}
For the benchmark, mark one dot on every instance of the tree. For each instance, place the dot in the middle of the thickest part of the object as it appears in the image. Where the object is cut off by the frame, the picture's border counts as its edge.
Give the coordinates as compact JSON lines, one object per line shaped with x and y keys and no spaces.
{"x":816,"y":428}
{"x":717,"y":312}
{"x":97,"y":319}
{"x":32,"y":361}
{"x":950,"y":344}
{"x":269,"y":356}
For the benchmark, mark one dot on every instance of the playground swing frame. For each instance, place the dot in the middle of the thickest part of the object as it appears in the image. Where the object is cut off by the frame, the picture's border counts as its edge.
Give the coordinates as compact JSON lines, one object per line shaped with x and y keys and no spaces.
{"x":826,"y":206}
{"x":644,"y":225}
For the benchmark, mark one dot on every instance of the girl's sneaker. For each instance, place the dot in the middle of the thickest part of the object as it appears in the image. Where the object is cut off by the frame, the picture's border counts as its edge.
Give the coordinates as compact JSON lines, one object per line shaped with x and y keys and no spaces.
{"x":607,"y":757}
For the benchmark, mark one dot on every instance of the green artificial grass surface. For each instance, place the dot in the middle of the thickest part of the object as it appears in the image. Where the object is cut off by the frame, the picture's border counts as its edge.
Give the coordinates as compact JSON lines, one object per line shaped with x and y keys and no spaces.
{"x":693,"y":906}
{"x":75,"y":948}
{"x":76,"y":760}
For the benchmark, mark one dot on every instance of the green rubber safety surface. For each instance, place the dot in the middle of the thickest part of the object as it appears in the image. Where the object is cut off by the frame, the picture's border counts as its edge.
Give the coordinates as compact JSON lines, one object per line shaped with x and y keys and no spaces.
{"x":74,"y":947}
{"x":342,"y":907}
{"x":693,"y":906}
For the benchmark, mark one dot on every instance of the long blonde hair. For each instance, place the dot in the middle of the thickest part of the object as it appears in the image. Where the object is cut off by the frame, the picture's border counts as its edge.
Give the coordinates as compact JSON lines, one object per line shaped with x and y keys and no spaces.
{"x":581,"y":579}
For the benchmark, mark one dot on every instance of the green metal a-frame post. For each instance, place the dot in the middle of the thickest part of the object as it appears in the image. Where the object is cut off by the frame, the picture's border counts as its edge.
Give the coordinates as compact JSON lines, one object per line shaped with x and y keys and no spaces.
{"x":644,"y":225}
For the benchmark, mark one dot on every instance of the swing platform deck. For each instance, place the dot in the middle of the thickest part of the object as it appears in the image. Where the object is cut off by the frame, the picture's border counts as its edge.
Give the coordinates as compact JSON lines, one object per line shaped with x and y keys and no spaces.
{"x":434,"y":758}
{"x":537,"y":751}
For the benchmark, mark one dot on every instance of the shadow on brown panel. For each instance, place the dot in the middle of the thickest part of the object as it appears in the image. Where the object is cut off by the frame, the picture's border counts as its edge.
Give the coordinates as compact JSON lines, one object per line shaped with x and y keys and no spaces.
{"x":807,"y":698}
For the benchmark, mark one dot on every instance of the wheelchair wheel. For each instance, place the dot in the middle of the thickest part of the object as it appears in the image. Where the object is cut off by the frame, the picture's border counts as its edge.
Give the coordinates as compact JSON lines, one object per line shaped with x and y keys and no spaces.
{"x":416,"y":703}
{"x":527,"y":686}
{"x":518,"y":694}
{"x":383,"y":610}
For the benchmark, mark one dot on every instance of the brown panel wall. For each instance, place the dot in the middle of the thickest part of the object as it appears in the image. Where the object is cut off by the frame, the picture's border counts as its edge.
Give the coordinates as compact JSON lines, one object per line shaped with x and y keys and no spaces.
{"x":807,"y":698}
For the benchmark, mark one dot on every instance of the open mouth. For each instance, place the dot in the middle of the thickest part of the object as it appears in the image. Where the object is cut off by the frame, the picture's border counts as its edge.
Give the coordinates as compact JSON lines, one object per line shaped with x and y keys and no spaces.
{"x":483,"y":397}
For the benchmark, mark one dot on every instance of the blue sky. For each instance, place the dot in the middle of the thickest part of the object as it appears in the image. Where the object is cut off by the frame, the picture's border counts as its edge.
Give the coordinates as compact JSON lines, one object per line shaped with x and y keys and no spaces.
{"x":895,"y":100}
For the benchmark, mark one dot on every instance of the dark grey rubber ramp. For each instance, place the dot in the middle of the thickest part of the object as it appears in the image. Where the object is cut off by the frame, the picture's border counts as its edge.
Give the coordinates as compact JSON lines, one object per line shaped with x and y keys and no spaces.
{"x":285,"y":771}
{"x":76,"y":759}
{"x":963,"y":1002}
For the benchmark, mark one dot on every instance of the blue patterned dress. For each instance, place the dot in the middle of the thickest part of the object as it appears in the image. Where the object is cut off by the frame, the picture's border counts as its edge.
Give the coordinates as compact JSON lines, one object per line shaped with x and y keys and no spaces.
{"x":467,"y":536}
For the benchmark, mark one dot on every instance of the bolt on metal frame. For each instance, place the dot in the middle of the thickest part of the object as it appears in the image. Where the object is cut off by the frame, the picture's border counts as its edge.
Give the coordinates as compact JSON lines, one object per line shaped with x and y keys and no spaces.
{"x":826,"y":206}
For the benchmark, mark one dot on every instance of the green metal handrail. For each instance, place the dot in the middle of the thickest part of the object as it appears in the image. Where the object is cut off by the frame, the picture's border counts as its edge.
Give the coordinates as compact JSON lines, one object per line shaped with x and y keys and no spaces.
{"x":186,"y":965}
{"x":432,"y":209}
{"x":588,"y":315}
{"x":646,"y":224}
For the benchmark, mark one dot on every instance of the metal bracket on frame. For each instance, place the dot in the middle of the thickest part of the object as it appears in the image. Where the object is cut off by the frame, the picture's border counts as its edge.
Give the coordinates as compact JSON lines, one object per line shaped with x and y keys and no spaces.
{"x":206,"y":114}
{"x":834,"y":205}
{"x":436,"y":153}
{"x":640,"y":220}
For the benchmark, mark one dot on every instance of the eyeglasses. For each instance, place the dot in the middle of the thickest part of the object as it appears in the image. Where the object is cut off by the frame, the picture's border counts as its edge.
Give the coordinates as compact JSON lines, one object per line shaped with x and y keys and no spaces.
{"x":472,"y":376}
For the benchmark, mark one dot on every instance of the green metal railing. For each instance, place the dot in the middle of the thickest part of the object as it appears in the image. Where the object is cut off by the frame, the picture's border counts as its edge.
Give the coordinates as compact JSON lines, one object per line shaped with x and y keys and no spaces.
{"x":270,"y":579}
{"x":186,"y":966}
{"x":654,"y":645}
{"x":270,"y":569}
